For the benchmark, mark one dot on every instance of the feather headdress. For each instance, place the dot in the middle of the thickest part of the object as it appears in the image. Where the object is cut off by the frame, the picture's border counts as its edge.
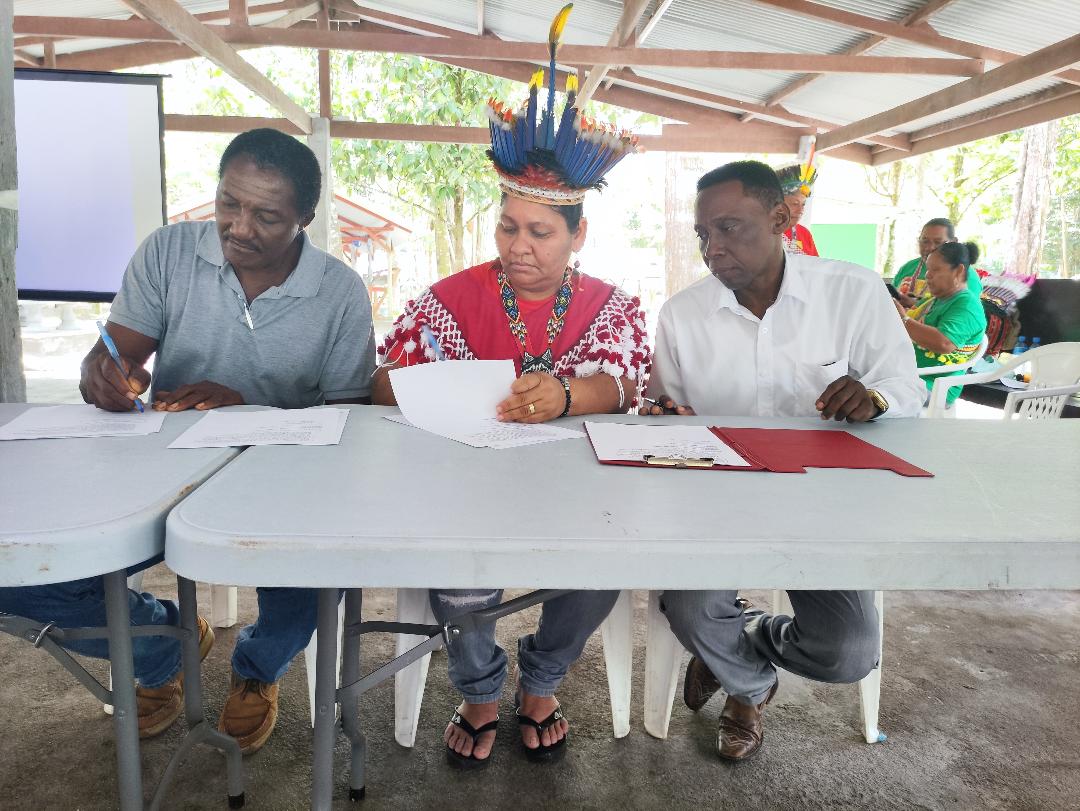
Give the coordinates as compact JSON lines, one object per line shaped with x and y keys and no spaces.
{"x":535,"y":161}
{"x":796,"y":178}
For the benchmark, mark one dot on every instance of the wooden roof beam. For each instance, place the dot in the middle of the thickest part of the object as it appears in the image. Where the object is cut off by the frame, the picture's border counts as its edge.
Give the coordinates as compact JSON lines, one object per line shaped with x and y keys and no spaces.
{"x":171,"y":16}
{"x":678,"y":138}
{"x":919,"y":34}
{"x":1037,"y":114}
{"x":916,"y":17}
{"x":238,"y":12}
{"x":632,"y":12}
{"x":494,"y":49}
{"x":1036,"y":65}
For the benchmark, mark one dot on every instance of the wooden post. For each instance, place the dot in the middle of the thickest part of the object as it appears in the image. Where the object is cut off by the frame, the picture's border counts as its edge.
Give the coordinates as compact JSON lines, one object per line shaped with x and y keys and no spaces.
{"x":12,"y":381}
{"x":319,"y":141}
{"x":325,"y":105}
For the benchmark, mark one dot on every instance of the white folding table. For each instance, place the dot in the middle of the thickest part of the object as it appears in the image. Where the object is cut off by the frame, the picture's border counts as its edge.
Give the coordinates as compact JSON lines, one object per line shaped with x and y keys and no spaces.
{"x":393,"y":506}
{"x":76,"y":508}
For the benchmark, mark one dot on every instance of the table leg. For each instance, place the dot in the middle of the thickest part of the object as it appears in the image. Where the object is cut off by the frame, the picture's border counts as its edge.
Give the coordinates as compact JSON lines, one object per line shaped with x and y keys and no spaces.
{"x":199,"y":730}
{"x":350,"y":703}
{"x":322,"y":769}
{"x":125,"y":710}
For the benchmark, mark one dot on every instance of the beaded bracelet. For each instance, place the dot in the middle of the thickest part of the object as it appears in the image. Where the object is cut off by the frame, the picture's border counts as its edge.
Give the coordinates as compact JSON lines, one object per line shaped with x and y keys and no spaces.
{"x":566,"y":386}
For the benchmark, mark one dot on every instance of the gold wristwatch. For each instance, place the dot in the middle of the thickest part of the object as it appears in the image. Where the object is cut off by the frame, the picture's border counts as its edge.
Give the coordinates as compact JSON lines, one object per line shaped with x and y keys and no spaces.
{"x":879,"y":402}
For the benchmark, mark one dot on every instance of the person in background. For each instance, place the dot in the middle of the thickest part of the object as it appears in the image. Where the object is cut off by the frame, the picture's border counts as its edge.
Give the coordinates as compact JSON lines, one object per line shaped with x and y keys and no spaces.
{"x":797,"y":182}
{"x":947,"y":327}
{"x":910,"y":280}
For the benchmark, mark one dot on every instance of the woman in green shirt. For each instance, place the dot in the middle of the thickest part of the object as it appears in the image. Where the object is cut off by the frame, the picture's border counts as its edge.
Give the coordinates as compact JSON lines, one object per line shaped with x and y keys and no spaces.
{"x":947,"y":327}
{"x":910,"y":280}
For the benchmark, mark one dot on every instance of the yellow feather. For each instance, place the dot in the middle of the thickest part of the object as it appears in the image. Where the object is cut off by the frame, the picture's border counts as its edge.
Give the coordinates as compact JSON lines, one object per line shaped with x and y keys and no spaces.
{"x":558,"y":24}
{"x":537,"y":79}
{"x":571,"y":83}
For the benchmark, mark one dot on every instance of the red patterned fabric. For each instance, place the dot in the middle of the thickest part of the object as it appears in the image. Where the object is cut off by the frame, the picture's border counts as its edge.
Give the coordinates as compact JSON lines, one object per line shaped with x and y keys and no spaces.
{"x":604,"y":331}
{"x":799,"y":240}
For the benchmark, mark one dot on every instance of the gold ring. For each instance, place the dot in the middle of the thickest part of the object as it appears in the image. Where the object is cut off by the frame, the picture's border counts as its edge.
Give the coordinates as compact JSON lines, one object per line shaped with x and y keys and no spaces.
{"x":532,"y":409}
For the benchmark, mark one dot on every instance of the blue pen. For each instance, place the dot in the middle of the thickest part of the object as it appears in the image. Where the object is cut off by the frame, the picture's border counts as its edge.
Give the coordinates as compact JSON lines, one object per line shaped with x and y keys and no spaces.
{"x":108,"y":341}
{"x":429,"y":336}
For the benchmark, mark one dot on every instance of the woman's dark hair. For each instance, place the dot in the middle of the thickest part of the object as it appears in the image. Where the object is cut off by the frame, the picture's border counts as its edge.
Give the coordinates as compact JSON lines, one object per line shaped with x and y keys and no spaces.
{"x":959,"y":253}
{"x":943,"y":222}
{"x":270,"y":149}
{"x":572,"y":214}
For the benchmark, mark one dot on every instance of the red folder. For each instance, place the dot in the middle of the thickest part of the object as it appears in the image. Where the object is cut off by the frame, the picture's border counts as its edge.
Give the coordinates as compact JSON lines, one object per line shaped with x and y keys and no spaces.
{"x":789,"y":450}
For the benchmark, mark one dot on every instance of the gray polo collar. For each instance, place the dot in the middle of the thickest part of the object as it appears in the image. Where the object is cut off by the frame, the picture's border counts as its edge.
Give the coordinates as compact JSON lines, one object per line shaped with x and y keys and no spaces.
{"x":303,"y":282}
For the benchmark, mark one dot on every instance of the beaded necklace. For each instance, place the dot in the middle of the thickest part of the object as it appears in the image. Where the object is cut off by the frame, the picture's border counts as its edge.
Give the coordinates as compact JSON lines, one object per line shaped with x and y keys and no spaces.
{"x":543,"y":362}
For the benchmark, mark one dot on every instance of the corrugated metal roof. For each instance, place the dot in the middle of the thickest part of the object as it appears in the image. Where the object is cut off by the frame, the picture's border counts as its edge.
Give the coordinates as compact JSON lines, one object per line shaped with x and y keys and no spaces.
{"x":733,"y":25}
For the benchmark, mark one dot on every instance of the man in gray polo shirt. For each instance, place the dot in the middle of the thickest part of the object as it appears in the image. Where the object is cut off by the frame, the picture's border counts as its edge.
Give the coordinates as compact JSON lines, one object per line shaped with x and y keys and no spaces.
{"x":241,"y":310}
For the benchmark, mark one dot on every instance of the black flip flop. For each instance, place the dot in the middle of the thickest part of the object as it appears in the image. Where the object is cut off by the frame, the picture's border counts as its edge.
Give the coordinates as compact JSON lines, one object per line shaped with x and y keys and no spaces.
{"x":542,"y":754}
{"x":461,"y":761}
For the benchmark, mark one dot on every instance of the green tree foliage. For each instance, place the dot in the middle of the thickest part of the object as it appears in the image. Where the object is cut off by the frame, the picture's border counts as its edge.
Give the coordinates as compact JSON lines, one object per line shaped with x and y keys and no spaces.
{"x":1061,"y":247}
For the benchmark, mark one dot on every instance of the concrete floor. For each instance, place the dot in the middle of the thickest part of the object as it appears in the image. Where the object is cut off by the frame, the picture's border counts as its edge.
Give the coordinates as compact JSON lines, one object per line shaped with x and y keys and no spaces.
{"x":979,"y":701}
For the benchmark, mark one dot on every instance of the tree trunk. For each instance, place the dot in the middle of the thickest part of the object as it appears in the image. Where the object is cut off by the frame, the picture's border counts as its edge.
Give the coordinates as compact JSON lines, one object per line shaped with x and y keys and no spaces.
{"x":457,"y":229}
{"x":12,"y":380}
{"x":1032,"y":199}
{"x":957,"y":175}
{"x":443,"y":266}
{"x":682,"y":259}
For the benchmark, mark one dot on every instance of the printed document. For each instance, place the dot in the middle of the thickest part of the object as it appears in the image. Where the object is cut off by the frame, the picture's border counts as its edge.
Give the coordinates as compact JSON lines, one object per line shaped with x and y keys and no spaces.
{"x":614,"y":442}
{"x":456,"y":399}
{"x":66,"y":421}
{"x":275,"y":426}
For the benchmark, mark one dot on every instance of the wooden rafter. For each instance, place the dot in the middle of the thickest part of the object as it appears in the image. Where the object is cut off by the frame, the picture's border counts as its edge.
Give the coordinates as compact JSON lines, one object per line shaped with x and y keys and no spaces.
{"x":920,"y":34}
{"x":324,"y":68}
{"x":49,"y":59}
{"x":172,"y":17}
{"x":623,"y":33}
{"x":493,"y":49}
{"x":238,"y":12}
{"x":1015,"y":106}
{"x":916,"y":17}
{"x":1045,"y":62}
{"x":480,"y":25}
{"x":291,"y":18}
{"x":989,"y":125}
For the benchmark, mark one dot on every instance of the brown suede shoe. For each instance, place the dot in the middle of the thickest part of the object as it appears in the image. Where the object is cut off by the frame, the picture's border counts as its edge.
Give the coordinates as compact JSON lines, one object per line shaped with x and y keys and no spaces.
{"x":741,"y":729}
{"x":699,"y":685}
{"x":160,"y":706}
{"x":250,"y":712}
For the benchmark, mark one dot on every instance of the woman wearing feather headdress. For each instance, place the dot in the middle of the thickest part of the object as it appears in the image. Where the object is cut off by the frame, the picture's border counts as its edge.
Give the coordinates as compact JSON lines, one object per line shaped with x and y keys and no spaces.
{"x":580,"y":347}
{"x":797,"y":182}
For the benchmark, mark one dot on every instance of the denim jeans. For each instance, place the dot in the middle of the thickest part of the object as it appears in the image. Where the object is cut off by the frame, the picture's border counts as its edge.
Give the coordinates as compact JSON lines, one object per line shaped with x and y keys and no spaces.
{"x":477,"y":665}
{"x":286,"y":621}
{"x":81,"y":604}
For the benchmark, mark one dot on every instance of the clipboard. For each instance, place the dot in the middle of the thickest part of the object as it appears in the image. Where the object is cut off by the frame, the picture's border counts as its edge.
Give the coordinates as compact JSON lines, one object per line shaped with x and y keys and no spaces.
{"x":786,"y":450}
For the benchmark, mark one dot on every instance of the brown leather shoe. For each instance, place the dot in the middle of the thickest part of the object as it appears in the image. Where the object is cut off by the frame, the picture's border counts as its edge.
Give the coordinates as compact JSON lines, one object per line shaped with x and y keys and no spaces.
{"x":159,"y":707}
{"x":250,"y":712}
{"x":699,"y":685}
{"x":741,"y":729}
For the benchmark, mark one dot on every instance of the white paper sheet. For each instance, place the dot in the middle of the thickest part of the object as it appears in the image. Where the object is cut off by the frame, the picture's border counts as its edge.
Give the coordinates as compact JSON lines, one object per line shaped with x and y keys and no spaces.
{"x":614,"y":442}
{"x":456,"y":399}
{"x":65,"y":421}
{"x":301,"y":426}
{"x":502,"y":435}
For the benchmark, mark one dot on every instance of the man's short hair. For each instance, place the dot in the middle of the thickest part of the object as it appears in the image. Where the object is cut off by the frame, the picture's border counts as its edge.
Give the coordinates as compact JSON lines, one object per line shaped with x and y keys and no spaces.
{"x":942,"y":222}
{"x":757,"y":178}
{"x":271,"y":149}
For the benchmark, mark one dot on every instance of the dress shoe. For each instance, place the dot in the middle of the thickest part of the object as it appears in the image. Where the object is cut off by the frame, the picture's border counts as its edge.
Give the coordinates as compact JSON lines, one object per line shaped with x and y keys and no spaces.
{"x":741,"y":729}
{"x":699,"y":685}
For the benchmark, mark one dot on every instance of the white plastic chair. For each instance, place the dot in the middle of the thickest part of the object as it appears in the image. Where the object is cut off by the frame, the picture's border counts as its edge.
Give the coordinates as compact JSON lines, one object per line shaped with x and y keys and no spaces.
{"x":1055,"y":375}
{"x":976,"y":356}
{"x":663,"y":659}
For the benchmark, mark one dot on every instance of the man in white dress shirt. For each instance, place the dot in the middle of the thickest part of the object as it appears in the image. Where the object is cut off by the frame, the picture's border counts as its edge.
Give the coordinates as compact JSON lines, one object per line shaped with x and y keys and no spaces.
{"x":771,"y":334}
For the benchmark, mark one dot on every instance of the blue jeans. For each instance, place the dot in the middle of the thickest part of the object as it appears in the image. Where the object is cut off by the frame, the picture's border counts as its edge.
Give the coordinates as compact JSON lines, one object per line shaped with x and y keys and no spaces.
{"x":81,"y":604}
{"x":286,"y":621}
{"x":476,"y":663}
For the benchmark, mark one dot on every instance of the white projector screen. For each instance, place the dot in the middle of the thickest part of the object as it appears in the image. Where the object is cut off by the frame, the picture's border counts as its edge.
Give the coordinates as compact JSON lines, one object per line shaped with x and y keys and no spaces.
{"x":91,"y":179}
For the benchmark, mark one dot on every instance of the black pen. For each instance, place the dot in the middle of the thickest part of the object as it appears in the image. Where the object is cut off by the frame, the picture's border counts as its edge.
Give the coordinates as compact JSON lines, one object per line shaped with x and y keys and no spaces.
{"x":658,"y":405}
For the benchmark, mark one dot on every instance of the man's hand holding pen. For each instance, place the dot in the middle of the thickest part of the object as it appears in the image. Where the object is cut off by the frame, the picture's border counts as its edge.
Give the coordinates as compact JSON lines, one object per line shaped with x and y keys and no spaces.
{"x":663,"y":405}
